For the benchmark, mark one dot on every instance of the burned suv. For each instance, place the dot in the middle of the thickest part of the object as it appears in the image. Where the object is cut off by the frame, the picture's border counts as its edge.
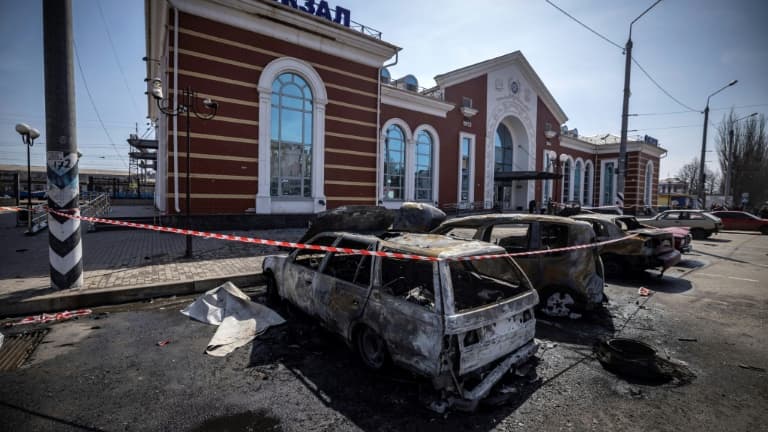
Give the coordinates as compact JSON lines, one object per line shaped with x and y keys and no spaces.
{"x":569,"y":282}
{"x":649,"y":248}
{"x":425,"y":304}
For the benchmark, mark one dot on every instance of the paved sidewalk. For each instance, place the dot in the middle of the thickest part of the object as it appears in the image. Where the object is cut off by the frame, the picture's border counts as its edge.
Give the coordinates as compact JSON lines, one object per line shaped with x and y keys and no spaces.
{"x":124,"y":265}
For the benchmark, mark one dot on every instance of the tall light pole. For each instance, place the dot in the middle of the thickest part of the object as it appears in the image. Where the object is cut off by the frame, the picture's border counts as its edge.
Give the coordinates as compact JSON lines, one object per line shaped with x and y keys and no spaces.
{"x":729,"y":159}
{"x":702,"y":192}
{"x":28,"y":137}
{"x":625,"y":112}
{"x":188,"y":104}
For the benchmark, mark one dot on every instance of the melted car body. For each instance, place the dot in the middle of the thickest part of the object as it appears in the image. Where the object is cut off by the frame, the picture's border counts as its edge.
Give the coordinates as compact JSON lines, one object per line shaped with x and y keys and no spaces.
{"x":462,"y":323}
{"x":569,"y":282}
{"x":648,"y":248}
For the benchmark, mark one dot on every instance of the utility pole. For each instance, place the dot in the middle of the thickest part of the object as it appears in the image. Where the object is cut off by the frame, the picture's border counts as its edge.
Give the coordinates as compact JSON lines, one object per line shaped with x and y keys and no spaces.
{"x":62,"y":157}
{"x":701,"y":192}
{"x":622,"y":168}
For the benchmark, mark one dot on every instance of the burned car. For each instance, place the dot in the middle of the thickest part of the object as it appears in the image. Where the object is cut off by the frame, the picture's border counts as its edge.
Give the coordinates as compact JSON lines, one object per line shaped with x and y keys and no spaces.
{"x":650,"y":247}
{"x":569,"y":282}
{"x":461,"y":323}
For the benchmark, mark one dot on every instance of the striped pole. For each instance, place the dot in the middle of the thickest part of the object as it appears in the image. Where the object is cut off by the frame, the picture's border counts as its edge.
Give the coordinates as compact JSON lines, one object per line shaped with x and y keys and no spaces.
{"x":65,"y":250}
{"x":620,"y":201}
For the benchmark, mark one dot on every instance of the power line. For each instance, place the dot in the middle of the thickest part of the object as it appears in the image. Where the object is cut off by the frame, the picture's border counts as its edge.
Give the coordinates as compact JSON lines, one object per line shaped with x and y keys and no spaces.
{"x":660,"y":87}
{"x":117,"y":60}
{"x":93,"y":104}
{"x":696,"y":111}
{"x":586,"y":26}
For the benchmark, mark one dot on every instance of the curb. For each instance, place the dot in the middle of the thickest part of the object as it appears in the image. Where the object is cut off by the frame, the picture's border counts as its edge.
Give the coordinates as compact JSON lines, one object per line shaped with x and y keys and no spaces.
{"x":111,"y":296}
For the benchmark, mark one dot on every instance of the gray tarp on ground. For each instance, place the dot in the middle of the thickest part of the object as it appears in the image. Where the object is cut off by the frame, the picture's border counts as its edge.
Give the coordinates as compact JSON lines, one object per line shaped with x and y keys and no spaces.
{"x":239,"y":319}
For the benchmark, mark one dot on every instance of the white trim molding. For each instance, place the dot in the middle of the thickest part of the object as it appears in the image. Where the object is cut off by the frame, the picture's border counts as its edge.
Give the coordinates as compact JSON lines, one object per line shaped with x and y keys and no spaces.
{"x":265,"y":203}
{"x":414,"y":102}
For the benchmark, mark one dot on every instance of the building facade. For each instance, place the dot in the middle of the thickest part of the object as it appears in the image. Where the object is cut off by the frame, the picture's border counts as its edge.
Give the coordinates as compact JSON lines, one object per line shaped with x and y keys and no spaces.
{"x":310,"y":119}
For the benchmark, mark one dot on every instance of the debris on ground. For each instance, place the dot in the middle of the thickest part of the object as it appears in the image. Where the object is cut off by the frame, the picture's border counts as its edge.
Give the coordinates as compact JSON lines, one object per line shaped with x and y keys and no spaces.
{"x":46,"y":318}
{"x":753,"y":368}
{"x":163,"y":343}
{"x":633,"y":359}
{"x":239,"y":319}
{"x":687,"y":339}
{"x":644,"y":292}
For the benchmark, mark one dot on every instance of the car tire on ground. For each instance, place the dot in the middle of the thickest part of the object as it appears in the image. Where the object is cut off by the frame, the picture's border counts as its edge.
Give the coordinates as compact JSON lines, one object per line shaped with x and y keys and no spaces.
{"x":371,"y":348}
{"x":764,"y":230}
{"x":699,"y":234}
{"x":273,"y":297}
{"x":612,"y":266}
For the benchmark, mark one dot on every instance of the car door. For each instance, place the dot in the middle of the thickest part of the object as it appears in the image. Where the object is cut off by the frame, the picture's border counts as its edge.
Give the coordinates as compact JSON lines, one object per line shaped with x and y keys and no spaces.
{"x":515,"y":238}
{"x":405,"y":308}
{"x":343,"y":284}
{"x":300,"y":272}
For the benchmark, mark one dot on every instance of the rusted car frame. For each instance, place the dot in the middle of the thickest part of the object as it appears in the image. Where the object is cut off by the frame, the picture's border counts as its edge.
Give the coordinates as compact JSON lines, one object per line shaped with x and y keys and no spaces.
{"x":569,"y":282}
{"x":462,"y":324}
{"x":650,"y":247}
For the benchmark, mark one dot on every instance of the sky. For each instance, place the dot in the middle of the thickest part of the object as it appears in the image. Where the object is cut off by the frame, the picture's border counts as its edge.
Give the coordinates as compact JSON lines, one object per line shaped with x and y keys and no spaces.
{"x":691,"y":48}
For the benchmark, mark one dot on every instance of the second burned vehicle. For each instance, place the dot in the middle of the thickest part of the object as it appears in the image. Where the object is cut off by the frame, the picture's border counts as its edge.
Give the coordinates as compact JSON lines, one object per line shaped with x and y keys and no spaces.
{"x":649,"y":248}
{"x":569,"y":282}
{"x":461,"y":323}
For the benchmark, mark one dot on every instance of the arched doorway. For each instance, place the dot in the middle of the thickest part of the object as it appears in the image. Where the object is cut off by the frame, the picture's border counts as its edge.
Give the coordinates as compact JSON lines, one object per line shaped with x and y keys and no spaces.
{"x":510,"y":158}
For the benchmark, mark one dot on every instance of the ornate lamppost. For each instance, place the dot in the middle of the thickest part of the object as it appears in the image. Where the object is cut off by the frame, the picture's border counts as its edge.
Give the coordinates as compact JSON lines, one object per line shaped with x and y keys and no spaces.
{"x":186,"y":104}
{"x":28,"y":137}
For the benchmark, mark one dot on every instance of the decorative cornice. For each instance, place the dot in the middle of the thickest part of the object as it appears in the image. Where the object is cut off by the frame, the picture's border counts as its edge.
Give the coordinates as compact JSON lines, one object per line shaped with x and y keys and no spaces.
{"x":273,"y":19}
{"x":473,"y":71}
{"x":415,"y":102}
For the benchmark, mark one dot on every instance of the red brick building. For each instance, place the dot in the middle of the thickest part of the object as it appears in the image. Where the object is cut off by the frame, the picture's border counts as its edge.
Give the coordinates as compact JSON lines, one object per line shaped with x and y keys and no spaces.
{"x":309,"y":119}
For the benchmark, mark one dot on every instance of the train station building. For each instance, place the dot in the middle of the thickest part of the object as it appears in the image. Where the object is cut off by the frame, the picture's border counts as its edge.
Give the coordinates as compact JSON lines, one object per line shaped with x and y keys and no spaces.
{"x":309,"y":118}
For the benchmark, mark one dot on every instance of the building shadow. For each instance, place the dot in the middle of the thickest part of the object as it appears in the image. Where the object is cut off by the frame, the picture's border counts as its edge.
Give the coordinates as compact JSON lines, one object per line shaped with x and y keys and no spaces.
{"x":393,"y":400}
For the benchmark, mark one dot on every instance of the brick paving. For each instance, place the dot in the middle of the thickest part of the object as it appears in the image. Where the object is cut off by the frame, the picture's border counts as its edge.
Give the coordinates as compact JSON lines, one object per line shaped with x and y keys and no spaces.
{"x":124,"y":258}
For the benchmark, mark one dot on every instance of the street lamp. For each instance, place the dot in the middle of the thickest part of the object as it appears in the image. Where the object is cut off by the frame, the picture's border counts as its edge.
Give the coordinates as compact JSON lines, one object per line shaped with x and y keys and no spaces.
{"x":28,"y":137}
{"x":702,"y":193}
{"x":625,"y":111}
{"x":186,"y":105}
{"x":729,"y":159}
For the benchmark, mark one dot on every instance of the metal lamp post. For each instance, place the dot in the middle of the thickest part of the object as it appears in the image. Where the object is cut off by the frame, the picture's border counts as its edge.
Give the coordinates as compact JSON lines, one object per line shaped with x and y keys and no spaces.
{"x":625,"y":112}
{"x":702,"y":192}
{"x":729,"y":159}
{"x":187,"y":104}
{"x":28,"y":137}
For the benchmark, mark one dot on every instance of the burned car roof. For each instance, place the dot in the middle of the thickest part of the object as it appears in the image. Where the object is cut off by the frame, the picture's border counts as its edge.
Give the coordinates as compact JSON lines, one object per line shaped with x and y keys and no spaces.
{"x":430,"y":245}
{"x":480,"y":220}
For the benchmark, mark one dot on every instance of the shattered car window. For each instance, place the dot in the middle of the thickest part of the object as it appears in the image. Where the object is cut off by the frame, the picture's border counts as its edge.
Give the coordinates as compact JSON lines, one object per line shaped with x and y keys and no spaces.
{"x":413,"y":281}
{"x":632,"y":223}
{"x":350,"y":268}
{"x":484,"y":282}
{"x":462,"y":233}
{"x":554,"y":236}
{"x":511,"y":236}
{"x":312,"y":258}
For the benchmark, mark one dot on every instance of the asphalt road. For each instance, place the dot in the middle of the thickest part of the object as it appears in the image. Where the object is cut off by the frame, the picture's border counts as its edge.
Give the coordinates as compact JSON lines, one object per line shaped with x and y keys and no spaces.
{"x":107,"y":372}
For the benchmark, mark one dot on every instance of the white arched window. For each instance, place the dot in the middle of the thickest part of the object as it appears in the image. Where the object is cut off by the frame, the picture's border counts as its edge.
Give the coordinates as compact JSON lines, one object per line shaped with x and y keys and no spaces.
{"x":394,"y":164}
{"x":588,"y":181}
{"x":292,"y":99}
{"x":648,"y":192}
{"x":566,"y":190}
{"x":577,"y":182}
{"x":423,"y":176}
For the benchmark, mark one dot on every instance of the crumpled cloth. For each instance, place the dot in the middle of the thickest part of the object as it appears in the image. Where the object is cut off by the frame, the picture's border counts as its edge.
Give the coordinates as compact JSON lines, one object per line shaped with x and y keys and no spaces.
{"x":240,"y":320}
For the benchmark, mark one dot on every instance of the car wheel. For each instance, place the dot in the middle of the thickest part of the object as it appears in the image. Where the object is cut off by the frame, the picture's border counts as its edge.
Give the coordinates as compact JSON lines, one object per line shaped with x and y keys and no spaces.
{"x":764,"y":230}
{"x":371,"y":348}
{"x":698,"y":234}
{"x":559,"y":304}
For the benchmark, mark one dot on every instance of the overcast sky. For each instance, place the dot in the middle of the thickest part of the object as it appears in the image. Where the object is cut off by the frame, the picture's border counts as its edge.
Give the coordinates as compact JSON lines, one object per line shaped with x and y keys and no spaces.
{"x":690,"y":47}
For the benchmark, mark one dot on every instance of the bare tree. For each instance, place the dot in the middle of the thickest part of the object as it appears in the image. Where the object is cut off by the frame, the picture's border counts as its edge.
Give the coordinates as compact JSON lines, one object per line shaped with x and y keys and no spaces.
{"x":689,"y":174}
{"x":747,"y":150}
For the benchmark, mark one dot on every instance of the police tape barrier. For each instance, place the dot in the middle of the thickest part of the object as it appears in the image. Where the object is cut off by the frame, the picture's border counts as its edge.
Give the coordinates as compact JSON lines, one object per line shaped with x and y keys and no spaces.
{"x":327,"y":248}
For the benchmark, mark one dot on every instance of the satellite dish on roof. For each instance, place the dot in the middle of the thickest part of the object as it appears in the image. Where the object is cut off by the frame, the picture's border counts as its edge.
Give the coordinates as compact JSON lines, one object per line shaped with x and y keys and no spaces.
{"x":411,"y":83}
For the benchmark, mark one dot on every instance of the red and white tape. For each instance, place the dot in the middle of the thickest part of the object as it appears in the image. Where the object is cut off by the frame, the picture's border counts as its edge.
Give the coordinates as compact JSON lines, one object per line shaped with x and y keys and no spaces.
{"x":46,"y":318}
{"x":325,"y":248}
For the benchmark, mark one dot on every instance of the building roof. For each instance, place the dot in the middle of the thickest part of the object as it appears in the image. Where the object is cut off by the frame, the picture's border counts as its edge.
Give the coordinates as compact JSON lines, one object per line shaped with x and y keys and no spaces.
{"x":472,"y":71}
